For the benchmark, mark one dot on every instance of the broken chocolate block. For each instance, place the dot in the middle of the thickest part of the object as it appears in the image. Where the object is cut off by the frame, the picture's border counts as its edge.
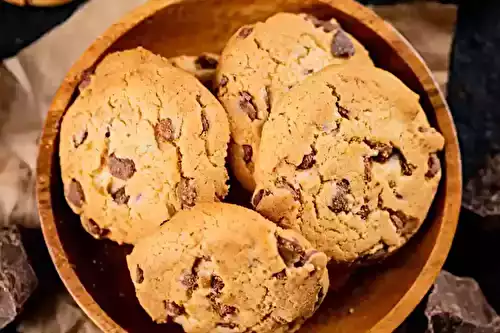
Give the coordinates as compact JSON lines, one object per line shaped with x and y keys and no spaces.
{"x":17,"y":278}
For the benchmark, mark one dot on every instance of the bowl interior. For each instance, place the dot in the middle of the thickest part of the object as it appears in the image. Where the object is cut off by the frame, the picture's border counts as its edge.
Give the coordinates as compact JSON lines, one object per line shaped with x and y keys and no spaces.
{"x":191,"y":27}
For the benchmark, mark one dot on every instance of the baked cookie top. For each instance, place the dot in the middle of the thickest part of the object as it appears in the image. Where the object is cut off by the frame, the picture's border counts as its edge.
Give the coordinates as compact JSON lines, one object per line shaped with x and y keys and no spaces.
{"x":221,"y":267}
{"x":264,"y":60}
{"x":142,"y":141}
{"x":348,"y":158}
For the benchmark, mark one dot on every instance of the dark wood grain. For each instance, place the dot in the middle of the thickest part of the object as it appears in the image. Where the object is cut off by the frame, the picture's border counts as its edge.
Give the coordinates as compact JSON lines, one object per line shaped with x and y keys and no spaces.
{"x":380,"y":296}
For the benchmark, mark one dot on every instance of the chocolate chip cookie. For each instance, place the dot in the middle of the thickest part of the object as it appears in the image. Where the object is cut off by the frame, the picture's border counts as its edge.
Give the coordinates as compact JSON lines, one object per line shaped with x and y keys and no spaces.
{"x":225,"y":268}
{"x":349,"y":159}
{"x":202,"y":66}
{"x":264,"y":60}
{"x":142,"y":141}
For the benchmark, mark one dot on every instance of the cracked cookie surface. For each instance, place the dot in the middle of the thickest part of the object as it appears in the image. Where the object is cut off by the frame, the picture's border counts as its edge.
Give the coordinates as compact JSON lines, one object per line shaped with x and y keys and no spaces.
{"x":142,"y":141}
{"x":349,"y":160}
{"x":224,"y":268}
{"x":264,"y":60}
{"x":201,"y":66}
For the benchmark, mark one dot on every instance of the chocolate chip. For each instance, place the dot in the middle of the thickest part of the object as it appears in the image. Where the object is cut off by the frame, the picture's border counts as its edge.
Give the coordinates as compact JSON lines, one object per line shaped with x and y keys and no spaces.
{"x":223,"y":81}
{"x":307,"y":162}
{"x":173,"y":309}
{"x":245,"y":32}
{"x":368,"y":168}
{"x":290,"y":251}
{"x":139,"y":275}
{"x":267,"y":98}
{"x":204,"y":121}
{"x":434,"y":166}
{"x":281,"y":275}
{"x":120,"y":197}
{"x":247,"y":153}
{"x":364,"y":211}
{"x":308,"y":71}
{"x":342,"y":45}
{"x":108,"y":133}
{"x":216,"y":284}
{"x":247,"y":105}
{"x":406,"y":168}
{"x":79,"y":138}
{"x":422,"y":129}
{"x":226,"y":325}
{"x":86,"y":79}
{"x":164,"y":130}
{"x":206,"y":62}
{"x":339,"y":202}
{"x":258,"y":197}
{"x":122,"y":168}
{"x":344,"y":113}
{"x":186,"y":190}
{"x":384,"y":151}
{"x":94,"y":229}
{"x":392,"y":184}
{"x":75,"y":193}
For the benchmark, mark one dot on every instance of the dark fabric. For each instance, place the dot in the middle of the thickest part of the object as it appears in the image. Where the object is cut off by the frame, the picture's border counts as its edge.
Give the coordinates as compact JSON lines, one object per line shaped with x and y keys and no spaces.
{"x":20,"y":26}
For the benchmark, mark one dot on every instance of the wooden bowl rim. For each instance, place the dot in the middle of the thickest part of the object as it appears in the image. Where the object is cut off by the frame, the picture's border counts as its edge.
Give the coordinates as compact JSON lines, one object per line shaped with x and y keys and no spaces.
{"x":364,"y":15}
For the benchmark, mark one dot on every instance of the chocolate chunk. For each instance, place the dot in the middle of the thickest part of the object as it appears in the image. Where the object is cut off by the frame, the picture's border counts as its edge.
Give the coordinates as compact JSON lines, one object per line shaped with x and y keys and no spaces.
{"x":86,"y":79}
{"x":122,"y":168}
{"x":75,"y":193}
{"x":392,"y":184}
{"x":247,"y":105}
{"x":206,"y":62}
{"x":291,"y":252}
{"x":17,"y":278}
{"x":190,"y":281}
{"x":258,"y":197}
{"x":307,"y":162}
{"x":364,"y":211}
{"x":204,"y":121}
{"x":326,"y":25}
{"x":173,"y":309}
{"x":93,"y":228}
{"x":139,"y":275}
{"x":79,"y":138}
{"x":247,"y":153}
{"x":384,"y":151}
{"x":164,"y":130}
{"x":120,"y":197}
{"x":342,"y":45}
{"x":224,"y":310}
{"x":281,"y":275}
{"x":339,"y":202}
{"x":186,"y":190}
{"x":403,"y":222}
{"x":216,"y":284}
{"x":245,"y":32}
{"x":458,"y":305}
{"x":434,"y":166}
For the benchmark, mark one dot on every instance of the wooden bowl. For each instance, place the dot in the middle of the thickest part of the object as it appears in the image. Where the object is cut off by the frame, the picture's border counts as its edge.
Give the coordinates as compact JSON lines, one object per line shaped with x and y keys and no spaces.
{"x":377,"y":298}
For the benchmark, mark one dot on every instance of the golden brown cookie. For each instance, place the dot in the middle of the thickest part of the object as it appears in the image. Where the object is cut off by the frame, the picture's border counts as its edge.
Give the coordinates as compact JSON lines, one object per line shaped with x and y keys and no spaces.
{"x":225,"y":268}
{"x":348,"y":159}
{"x":264,"y":60}
{"x":142,"y":141}
{"x":202,"y":66}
